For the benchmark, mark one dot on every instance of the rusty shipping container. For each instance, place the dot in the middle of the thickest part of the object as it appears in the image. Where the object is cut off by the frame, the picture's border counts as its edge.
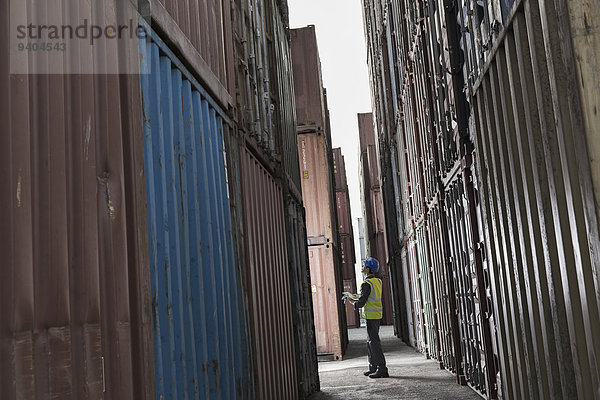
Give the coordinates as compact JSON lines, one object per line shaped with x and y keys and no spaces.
{"x":266,"y":134}
{"x":325,"y":268}
{"x":267,"y":280}
{"x":74,"y":285}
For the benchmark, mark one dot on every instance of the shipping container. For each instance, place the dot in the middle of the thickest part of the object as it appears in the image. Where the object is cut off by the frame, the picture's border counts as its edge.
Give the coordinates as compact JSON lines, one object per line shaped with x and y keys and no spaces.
{"x":427,"y":292}
{"x":201,"y":32}
{"x":74,"y":289}
{"x":187,"y":204}
{"x":328,"y":308}
{"x":344,"y":224}
{"x":419,"y":338}
{"x":443,"y":287}
{"x":321,"y":219}
{"x":532,"y":125}
{"x":347,"y":257}
{"x":308,"y":84}
{"x":267,"y":281}
{"x":339,"y":170}
{"x":301,"y":300}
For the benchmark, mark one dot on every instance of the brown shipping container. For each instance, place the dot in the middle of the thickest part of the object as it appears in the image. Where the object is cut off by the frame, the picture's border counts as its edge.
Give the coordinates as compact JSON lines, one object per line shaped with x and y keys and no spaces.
{"x":301,"y":300}
{"x":343,"y":213}
{"x":320,"y":221}
{"x":325,"y":279}
{"x":339,"y":170}
{"x":308,"y":84}
{"x":201,"y":32}
{"x":317,"y":189}
{"x":352,"y":316}
{"x":348,"y":257}
{"x":267,"y":282}
{"x":373,"y":161}
{"x":366,"y":131}
{"x":74,"y":291}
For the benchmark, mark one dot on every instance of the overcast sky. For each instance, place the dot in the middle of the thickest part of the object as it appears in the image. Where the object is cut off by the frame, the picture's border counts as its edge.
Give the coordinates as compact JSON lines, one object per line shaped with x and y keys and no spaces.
{"x":341,"y":41}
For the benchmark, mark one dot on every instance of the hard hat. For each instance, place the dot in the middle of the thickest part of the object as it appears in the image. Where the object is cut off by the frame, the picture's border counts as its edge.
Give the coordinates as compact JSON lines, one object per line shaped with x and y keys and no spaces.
{"x":372,"y":263}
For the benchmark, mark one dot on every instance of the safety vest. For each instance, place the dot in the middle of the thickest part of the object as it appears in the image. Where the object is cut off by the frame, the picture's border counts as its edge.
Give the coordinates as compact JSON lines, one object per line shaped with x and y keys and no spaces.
{"x":373,"y":308}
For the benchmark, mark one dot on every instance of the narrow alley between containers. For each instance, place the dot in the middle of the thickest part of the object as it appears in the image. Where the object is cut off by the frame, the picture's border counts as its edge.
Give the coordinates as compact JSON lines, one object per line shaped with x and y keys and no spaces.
{"x":411,"y":375}
{"x":210,"y":199}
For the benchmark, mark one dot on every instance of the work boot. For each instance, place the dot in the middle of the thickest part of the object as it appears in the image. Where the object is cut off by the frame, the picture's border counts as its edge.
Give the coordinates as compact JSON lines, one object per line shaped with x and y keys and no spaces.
{"x":380,"y":374}
{"x":369,"y":372}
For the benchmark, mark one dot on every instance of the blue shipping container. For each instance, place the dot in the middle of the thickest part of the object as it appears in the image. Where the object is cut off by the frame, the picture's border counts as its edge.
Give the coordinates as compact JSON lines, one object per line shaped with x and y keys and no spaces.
{"x":199,"y":320}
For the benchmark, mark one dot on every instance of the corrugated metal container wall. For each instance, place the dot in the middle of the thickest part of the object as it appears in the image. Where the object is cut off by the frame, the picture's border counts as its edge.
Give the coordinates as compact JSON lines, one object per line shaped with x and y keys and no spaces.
{"x":326,"y":301}
{"x":348,"y":257}
{"x":267,"y":282}
{"x":308,"y":84}
{"x":540,"y":212}
{"x":408,"y":295}
{"x":427,"y":292}
{"x":189,"y":230}
{"x":468,"y":302}
{"x":443,"y":287}
{"x":413,"y":48}
{"x":301,"y":300}
{"x":420,"y":340}
{"x":325,"y":273}
{"x":74,"y":297}
{"x":339,"y":171}
{"x":316,"y":189}
{"x":201,"y":32}
{"x":343,"y":213}
{"x":285,"y":106}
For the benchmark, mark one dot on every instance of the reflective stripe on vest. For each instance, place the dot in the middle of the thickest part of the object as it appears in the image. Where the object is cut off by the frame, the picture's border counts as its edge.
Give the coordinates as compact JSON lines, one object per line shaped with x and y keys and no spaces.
{"x":373,"y":308}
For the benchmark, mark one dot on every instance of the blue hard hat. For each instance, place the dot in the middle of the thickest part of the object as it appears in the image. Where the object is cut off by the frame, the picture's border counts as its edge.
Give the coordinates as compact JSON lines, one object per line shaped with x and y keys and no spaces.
{"x":372,"y":264}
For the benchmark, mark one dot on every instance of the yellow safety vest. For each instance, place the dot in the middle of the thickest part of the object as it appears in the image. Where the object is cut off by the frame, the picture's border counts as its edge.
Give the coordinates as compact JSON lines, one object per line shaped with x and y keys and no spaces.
{"x":373,"y":308}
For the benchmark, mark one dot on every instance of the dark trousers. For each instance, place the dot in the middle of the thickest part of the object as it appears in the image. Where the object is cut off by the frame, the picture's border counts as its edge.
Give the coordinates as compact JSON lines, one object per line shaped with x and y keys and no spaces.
{"x":374,"y":350}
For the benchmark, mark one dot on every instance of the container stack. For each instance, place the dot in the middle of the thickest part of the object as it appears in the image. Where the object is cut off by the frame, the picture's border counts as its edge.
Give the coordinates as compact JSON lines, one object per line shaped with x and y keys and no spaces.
{"x":318,"y":192}
{"x":487,"y":135}
{"x":156,"y":237}
{"x":346,"y":234}
{"x":373,"y":212}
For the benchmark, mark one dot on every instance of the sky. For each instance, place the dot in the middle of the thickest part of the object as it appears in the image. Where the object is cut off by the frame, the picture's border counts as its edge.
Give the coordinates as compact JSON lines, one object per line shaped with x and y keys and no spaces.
{"x":342,"y":49}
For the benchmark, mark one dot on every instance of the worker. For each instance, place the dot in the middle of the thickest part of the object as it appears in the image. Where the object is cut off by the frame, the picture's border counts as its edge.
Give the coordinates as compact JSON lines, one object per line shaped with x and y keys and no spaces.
{"x":370,"y":302}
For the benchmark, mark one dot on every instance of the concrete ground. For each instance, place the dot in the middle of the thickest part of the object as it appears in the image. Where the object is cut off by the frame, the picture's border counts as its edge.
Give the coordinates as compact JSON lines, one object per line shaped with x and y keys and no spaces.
{"x":412,"y":376}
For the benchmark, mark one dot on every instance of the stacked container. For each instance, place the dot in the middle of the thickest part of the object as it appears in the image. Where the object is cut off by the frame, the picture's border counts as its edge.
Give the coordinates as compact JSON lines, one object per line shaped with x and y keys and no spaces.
{"x":318,"y":192}
{"x":156,"y":233}
{"x":488,"y":134}
{"x":346,"y":234}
